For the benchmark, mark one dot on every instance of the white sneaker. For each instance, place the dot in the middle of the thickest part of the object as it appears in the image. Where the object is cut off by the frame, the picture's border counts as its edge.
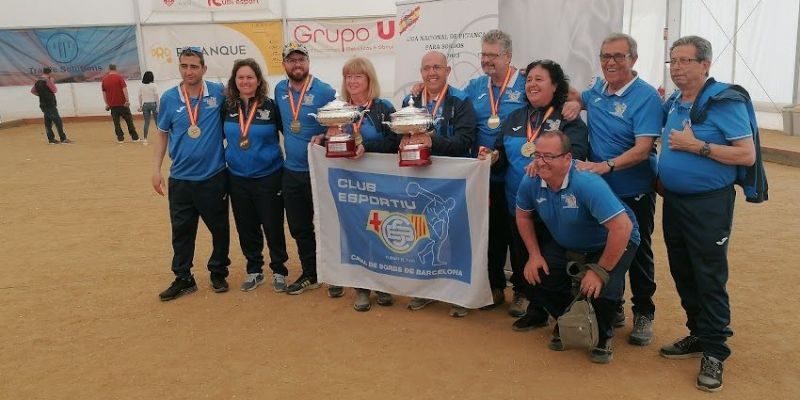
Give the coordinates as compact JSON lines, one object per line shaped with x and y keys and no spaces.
{"x":252,"y":281}
{"x":278,"y":283}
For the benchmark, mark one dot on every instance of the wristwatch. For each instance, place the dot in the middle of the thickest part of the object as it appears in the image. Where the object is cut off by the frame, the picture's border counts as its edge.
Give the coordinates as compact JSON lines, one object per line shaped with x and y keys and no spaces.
{"x":706,"y":150}
{"x":611,"y":164}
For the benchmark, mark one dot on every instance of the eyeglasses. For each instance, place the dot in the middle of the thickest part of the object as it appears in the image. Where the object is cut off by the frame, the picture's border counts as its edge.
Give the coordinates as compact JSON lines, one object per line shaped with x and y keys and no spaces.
{"x":435,"y":68}
{"x":296,"y":60}
{"x":191,"y":50}
{"x":682,"y":61}
{"x":548,"y":158}
{"x":490,"y":56}
{"x":618,"y":57}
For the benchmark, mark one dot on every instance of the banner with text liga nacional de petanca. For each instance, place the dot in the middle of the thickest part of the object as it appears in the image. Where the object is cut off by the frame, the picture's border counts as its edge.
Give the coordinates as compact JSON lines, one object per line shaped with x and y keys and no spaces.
{"x":414,"y":231}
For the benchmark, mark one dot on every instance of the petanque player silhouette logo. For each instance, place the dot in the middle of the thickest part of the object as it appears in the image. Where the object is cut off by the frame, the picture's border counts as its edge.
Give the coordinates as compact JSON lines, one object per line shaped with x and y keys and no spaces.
{"x":437,"y":212}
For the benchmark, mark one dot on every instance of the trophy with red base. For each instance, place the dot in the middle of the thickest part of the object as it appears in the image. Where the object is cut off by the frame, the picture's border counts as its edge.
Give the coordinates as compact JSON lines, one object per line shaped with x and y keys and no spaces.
{"x":337,"y":114}
{"x":411,"y":120}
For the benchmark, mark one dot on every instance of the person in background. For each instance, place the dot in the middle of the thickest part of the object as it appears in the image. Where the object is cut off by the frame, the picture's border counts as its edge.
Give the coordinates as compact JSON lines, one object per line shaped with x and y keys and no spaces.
{"x":45,"y":88}
{"x":115,"y":95}
{"x":148,"y":101}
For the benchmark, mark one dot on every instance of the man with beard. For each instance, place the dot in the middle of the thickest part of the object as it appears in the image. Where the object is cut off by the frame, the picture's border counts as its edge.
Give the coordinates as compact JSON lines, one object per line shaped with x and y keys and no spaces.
{"x":296,"y":97}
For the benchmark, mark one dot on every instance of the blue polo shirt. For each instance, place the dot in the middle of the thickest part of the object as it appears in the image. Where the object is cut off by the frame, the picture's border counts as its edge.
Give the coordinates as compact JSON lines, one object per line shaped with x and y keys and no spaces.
{"x":575,"y":213}
{"x":369,"y":131}
{"x":688,"y":172}
{"x":513,"y":98}
{"x":615,"y":121}
{"x":514,"y":135}
{"x":193,"y":159}
{"x":264,"y":157}
{"x":296,"y":144}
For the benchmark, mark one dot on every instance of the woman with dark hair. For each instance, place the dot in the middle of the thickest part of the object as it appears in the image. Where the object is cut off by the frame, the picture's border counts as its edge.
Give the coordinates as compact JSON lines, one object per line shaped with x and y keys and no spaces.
{"x":360,"y":88}
{"x":546,"y":88}
{"x":255,"y":163}
{"x":148,"y":101}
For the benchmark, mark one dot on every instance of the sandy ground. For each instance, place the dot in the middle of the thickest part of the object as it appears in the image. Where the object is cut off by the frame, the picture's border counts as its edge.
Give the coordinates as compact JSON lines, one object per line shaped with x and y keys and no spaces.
{"x":87,"y":250}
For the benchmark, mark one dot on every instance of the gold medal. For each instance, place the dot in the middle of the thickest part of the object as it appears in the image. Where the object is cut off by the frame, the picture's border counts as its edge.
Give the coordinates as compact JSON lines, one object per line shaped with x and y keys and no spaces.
{"x":194,"y":131}
{"x":296,"y":107}
{"x":192,"y":112}
{"x":244,"y":126}
{"x":494,"y":122}
{"x":528,"y":149}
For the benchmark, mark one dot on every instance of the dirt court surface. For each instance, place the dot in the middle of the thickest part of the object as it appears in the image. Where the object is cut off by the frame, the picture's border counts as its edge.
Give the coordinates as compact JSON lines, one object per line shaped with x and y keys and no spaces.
{"x":86,"y":244}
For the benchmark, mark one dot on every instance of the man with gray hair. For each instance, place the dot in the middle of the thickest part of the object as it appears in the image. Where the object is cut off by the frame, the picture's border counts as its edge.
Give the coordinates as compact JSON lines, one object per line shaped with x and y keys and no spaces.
{"x":494,"y":96}
{"x":624,"y":119}
{"x":708,"y":135}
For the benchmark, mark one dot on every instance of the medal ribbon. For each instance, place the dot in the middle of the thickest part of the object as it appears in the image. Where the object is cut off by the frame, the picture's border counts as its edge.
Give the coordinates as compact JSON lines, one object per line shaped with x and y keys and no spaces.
{"x":438,"y":100}
{"x":357,"y":125}
{"x":533,"y":134}
{"x":296,"y":108}
{"x":495,"y":105}
{"x":192,"y":113}
{"x":244,"y":127}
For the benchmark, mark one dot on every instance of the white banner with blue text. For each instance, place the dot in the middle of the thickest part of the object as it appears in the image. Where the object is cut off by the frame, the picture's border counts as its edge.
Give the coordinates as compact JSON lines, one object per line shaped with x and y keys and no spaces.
{"x":411,"y":231}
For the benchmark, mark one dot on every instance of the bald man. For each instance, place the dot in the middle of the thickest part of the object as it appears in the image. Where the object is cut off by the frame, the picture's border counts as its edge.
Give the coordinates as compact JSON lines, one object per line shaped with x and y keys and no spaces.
{"x":454,"y":133}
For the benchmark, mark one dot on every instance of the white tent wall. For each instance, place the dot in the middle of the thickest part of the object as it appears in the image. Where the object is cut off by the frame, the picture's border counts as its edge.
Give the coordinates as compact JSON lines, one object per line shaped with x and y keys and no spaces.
{"x":645,"y":21}
{"x":762,"y":57}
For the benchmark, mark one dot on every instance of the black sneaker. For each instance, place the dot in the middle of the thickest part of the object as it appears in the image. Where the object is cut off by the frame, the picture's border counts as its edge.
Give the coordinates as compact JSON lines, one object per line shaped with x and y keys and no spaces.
{"x":302,"y":284}
{"x":642,"y":333}
{"x":619,"y":318}
{"x":219,"y":284}
{"x":498,"y":298}
{"x":710,"y":377}
{"x":533,"y":319}
{"x":602,"y":353}
{"x":683,"y":348}
{"x":555,"y":340}
{"x":335,"y":291}
{"x":178,"y":288}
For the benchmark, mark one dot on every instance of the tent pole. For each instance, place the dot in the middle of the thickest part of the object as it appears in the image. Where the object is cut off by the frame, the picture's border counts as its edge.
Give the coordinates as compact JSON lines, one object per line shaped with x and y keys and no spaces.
{"x":796,"y":96}
{"x":139,"y":37}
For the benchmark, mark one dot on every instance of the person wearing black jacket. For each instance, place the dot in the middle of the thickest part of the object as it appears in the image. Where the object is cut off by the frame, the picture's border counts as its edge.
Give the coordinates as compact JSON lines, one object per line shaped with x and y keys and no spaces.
{"x":455,"y":130}
{"x":45,"y":88}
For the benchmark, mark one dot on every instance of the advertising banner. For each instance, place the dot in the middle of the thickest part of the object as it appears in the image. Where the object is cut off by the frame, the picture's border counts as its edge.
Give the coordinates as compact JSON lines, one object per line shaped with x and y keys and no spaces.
{"x":221,"y":44}
{"x":74,"y":54}
{"x":352,"y":37}
{"x":215,"y":5}
{"x":419,"y":232}
{"x":423,"y":26}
